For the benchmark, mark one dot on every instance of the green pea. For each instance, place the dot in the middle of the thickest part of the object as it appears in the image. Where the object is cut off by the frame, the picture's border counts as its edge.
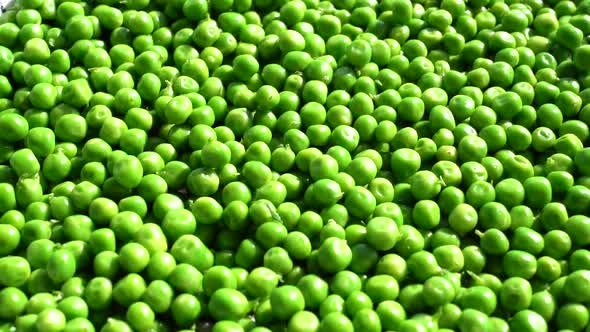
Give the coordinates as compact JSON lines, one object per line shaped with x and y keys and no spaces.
{"x":17,"y":271}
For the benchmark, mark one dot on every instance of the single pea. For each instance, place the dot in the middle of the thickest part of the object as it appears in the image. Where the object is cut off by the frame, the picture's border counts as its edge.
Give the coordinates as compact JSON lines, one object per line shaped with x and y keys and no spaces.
{"x":61,"y":265}
{"x":528,"y":320}
{"x":518,"y":263}
{"x":360,"y":202}
{"x":425,"y":185}
{"x":438,"y":291}
{"x":494,"y":242}
{"x":51,"y":320}
{"x":449,"y":257}
{"x":474,"y":259}
{"x":15,"y":301}
{"x":24,"y":162}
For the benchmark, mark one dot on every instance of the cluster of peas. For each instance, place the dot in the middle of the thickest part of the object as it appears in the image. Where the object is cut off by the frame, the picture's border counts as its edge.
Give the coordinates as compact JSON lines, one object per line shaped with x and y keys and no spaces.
{"x":299,"y":166}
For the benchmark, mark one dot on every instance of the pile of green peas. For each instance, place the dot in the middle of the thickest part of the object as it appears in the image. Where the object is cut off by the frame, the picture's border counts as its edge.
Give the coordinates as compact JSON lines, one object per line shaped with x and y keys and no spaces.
{"x":295,"y":166}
